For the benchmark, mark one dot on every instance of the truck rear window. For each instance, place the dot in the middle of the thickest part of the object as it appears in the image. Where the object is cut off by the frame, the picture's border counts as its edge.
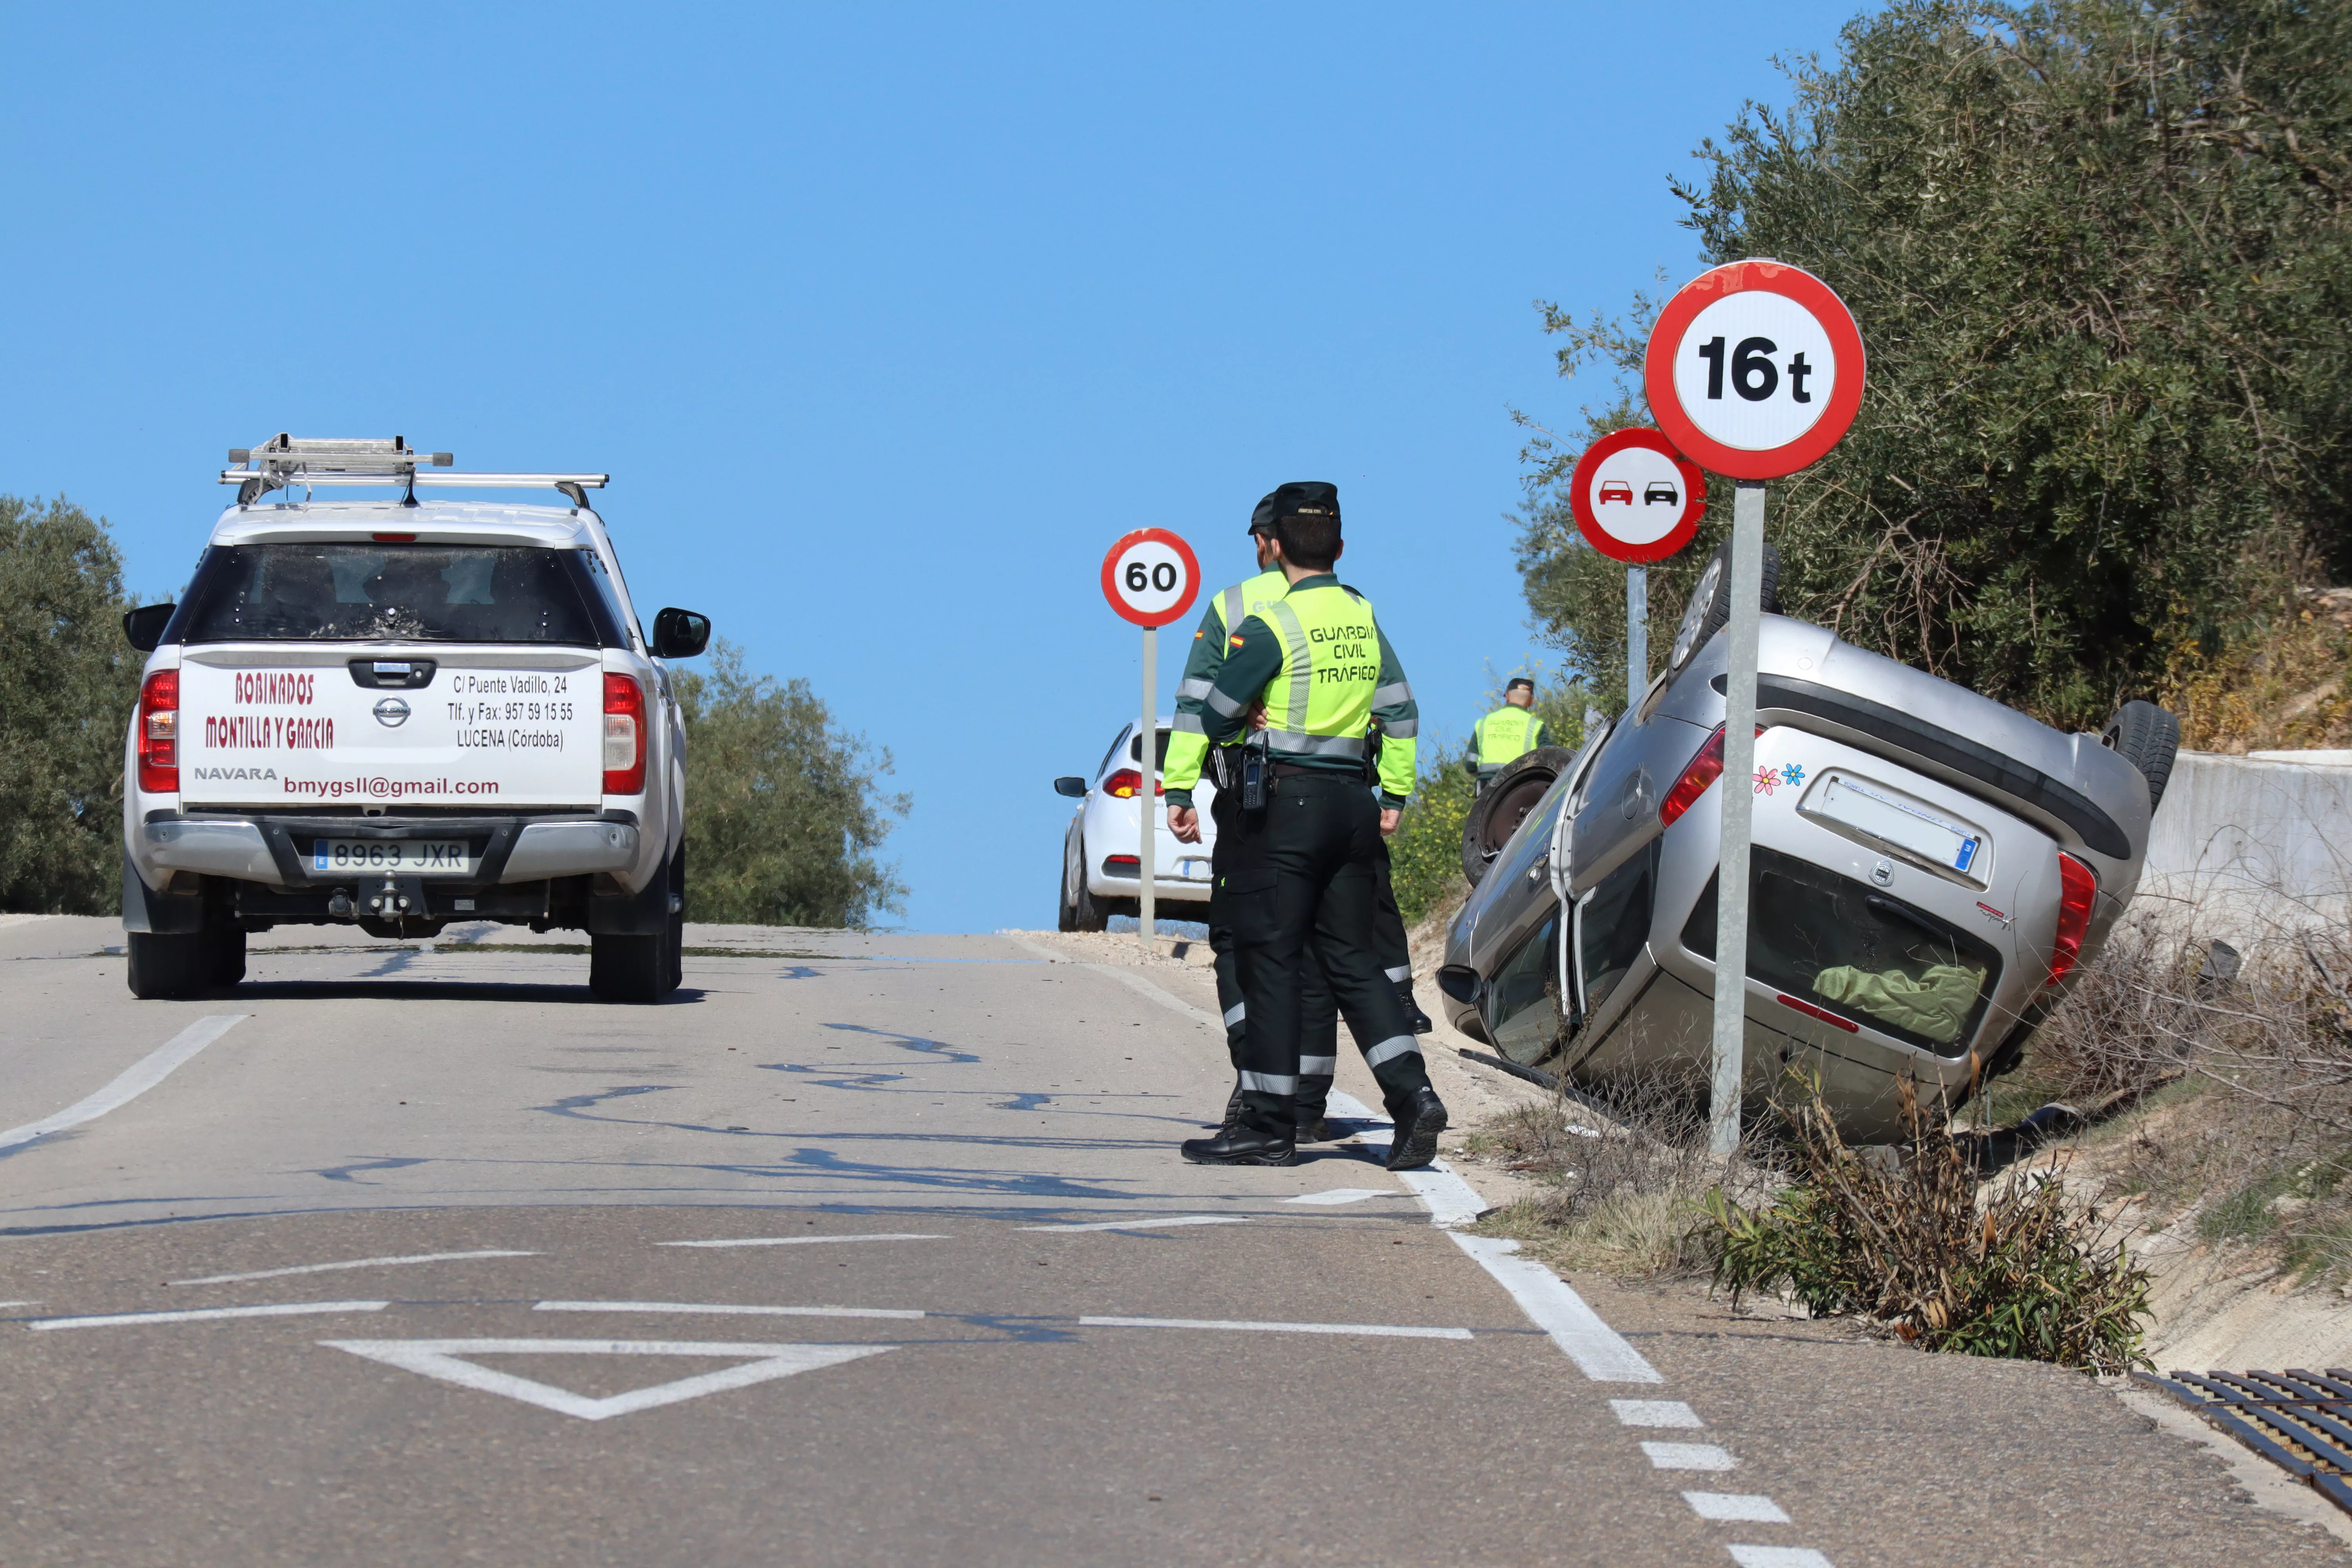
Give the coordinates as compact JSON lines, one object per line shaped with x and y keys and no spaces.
{"x":396,"y":593}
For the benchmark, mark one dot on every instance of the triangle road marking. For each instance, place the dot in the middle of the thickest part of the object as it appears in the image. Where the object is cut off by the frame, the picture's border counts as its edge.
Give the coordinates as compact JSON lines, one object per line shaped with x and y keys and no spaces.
{"x":446,"y":1360}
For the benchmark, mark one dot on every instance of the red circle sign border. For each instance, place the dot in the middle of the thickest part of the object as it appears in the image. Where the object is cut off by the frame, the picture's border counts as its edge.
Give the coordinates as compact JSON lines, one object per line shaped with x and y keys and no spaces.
{"x":1738,"y":278}
{"x":1192,"y":576}
{"x":1588,"y":524}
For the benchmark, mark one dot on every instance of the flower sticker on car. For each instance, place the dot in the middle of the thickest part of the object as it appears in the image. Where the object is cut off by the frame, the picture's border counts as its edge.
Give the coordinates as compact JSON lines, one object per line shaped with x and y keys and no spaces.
{"x":1792,"y":774}
{"x":1767,"y":779}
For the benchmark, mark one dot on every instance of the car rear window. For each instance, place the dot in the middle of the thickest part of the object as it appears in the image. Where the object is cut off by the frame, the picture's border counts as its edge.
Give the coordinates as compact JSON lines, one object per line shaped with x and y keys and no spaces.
{"x":401,"y":592}
{"x":1849,"y":949}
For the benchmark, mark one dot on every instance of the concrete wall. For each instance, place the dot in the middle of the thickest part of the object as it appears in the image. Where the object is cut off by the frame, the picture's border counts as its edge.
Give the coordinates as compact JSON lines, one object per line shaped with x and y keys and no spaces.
{"x":2252,"y":841}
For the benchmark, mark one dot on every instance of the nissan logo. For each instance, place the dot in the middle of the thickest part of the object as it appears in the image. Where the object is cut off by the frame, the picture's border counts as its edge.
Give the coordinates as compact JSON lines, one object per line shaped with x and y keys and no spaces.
{"x":392,"y":713}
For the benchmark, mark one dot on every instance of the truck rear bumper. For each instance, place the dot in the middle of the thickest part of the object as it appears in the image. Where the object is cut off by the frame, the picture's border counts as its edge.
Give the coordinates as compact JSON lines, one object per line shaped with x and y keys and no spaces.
{"x":271,"y":849}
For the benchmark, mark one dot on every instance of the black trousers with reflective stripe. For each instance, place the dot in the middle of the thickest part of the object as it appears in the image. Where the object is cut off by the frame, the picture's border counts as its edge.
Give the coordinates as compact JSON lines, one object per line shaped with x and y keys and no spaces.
{"x":1318,"y":1010}
{"x":1298,"y":892}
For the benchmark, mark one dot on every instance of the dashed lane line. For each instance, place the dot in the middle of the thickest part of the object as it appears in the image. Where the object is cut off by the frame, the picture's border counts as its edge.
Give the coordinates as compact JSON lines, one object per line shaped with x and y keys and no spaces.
{"x":1688,"y":1457}
{"x":1341,"y":1195}
{"x":132,"y":1081}
{"x":1778,"y":1557}
{"x":1390,"y":1330}
{"x":205,"y":1314}
{"x":353,"y":1263}
{"x":1738,"y":1508}
{"x":1143,"y":1223}
{"x":727,"y":1309}
{"x":1654,"y":1412}
{"x":805,"y":1240}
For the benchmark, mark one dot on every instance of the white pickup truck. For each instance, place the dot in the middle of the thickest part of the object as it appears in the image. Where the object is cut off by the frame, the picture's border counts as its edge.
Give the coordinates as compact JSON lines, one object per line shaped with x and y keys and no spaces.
{"x":395,"y":714}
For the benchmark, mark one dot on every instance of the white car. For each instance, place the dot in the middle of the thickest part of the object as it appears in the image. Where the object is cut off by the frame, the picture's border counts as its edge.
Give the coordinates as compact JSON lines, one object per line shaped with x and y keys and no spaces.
{"x":397,"y":714}
{"x":1102,"y":866}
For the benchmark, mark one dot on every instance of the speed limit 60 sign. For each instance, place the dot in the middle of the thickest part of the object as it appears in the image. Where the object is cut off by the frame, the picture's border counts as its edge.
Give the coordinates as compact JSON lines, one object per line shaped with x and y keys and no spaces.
{"x":1636,"y":500}
{"x":1755,"y":369}
{"x":1150,"y":577}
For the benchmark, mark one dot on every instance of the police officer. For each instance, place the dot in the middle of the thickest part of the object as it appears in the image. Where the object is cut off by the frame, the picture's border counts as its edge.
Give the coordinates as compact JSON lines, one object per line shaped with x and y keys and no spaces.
{"x":1301,"y":870}
{"x":1189,"y":755}
{"x":1506,"y":734}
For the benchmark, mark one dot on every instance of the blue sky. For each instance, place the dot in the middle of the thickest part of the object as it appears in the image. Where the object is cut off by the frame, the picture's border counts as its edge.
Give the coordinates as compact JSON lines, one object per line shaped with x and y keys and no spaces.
{"x":885,"y":319}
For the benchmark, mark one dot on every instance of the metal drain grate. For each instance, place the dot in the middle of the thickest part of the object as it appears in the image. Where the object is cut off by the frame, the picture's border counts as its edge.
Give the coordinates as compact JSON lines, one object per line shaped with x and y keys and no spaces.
{"x":2299,"y":1420}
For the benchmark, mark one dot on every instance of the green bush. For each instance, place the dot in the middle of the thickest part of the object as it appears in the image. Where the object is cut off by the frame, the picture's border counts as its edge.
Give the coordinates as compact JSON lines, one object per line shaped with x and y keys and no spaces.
{"x":783,"y":810}
{"x":67,"y":683}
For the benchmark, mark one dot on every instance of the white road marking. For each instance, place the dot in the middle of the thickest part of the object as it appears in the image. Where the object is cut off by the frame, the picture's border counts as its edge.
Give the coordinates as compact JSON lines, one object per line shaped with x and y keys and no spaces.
{"x":1688,"y":1457}
{"x":1340,"y":1195}
{"x":1390,"y":1330}
{"x":1654,"y":1412}
{"x":1745,"y":1508}
{"x":726,"y":1308}
{"x":443,"y":1359}
{"x":132,"y":1081}
{"x":1147,"y":1224}
{"x":1599,"y":1350}
{"x":355,"y":1263}
{"x":202,"y":1314}
{"x":6,"y":1304}
{"x":805,"y":1240}
{"x":1778,"y":1557}
{"x":1450,"y":1201}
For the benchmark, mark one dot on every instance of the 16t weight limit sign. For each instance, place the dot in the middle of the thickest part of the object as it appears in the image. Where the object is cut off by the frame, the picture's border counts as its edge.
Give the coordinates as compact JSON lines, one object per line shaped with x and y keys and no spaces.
{"x":1754,"y":370}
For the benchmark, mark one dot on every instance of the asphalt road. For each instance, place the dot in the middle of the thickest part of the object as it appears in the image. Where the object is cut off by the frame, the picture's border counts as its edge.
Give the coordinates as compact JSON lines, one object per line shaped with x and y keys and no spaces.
{"x":877,"y":1250}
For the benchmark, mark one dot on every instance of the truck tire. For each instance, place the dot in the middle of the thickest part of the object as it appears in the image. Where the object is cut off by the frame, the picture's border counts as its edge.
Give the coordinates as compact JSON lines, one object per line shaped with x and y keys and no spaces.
{"x":2148,"y":738}
{"x":628,"y":969}
{"x":166,"y":968}
{"x":1709,"y":610}
{"x":673,"y":949}
{"x":1497,"y":812}
{"x":224,"y":953}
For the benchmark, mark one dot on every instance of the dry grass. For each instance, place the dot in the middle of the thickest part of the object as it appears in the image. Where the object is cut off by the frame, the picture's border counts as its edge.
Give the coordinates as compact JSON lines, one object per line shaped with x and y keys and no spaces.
{"x":2290,"y":688}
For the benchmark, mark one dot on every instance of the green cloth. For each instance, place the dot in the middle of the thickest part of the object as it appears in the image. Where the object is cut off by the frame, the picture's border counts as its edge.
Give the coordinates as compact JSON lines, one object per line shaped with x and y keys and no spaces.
{"x":1936,"y":1004}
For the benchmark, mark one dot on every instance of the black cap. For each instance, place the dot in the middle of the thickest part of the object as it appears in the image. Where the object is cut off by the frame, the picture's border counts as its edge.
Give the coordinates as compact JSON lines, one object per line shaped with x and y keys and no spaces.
{"x":1518,"y":682}
{"x":1262,"y":518}
{"x":1305,"y":498}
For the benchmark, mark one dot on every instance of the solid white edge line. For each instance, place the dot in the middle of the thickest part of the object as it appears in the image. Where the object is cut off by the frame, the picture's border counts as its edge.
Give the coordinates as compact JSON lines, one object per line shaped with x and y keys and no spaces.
{"x":727,"y":1309}
{"x":1735,"y":1508}
{"x":1143,"y":1223}
{"x":805,"y":1240}
{"x":1390,"y":1330}
{"x":202,"y":1314}
{"x":355,"y":1263}
{"x":1599,"y":1351}
{"x":1450,"y":1201}
{"x":132,"y":1081}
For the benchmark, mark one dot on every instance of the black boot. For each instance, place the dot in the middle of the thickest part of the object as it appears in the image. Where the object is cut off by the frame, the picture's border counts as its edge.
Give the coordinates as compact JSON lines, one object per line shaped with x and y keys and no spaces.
{"x":1244,"y":1145}
{"x":1313,"y":1129}
{"x":1419,"y":1118}
{"x":1414,"y":1014}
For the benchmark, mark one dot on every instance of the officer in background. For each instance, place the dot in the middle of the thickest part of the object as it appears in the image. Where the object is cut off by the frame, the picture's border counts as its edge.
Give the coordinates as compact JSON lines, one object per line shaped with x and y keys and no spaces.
{"x":1190,"y":755}
{"x":1300,"y":868}
{"x":1506,"y":734}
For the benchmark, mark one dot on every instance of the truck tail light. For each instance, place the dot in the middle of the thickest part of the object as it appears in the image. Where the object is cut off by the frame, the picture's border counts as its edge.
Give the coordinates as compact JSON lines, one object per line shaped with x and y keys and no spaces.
{"x":625,"y":735}
{"x":1127,"y":783}
{"x":158,"y":734}
{"x":2076,"y":889}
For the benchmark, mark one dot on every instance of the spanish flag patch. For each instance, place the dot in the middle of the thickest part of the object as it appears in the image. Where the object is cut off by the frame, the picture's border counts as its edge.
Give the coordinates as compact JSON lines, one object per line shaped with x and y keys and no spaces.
{"x":1233,"y":641}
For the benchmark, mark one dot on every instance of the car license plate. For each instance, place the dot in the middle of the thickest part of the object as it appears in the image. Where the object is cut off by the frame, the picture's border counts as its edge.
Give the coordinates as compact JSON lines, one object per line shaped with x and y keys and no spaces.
{"x":1901,"y":821}
{"x":391,"y":857}
{"x":1193,"y":869}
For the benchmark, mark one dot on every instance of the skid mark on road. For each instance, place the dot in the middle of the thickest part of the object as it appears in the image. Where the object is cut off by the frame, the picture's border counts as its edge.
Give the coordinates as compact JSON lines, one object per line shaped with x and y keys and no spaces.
{"x":379,"y":1163}
{"x":575,"y":1105}
{"x":938,"y":1049}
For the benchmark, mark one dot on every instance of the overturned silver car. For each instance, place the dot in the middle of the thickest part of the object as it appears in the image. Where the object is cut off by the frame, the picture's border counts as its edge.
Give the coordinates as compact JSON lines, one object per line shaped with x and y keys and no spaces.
{"x":1930,"y":867}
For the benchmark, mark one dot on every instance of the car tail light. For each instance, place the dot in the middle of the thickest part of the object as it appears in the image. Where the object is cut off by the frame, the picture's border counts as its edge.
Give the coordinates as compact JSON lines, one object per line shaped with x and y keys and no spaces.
{"x":2077,"y":888}
{"x":1703,"y":770}
{"x":1823,"y":1014}
{"x":1127,"y":783}
{"x":1122,"y":864}
{"x":625,"y":735}
{"x":158,"y":734}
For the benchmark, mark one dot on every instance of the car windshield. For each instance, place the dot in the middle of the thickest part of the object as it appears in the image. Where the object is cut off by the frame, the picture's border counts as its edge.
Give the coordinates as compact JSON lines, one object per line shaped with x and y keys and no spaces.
{"x":407,"y":593}
{"x":1848,"y":948}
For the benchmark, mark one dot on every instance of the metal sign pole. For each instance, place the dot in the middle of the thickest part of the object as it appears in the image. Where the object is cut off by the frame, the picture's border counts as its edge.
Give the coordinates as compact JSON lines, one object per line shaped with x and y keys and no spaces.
{"x":1637,"y":635}
{"x":1738,"y":815}
{"x":1147,"y":747}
